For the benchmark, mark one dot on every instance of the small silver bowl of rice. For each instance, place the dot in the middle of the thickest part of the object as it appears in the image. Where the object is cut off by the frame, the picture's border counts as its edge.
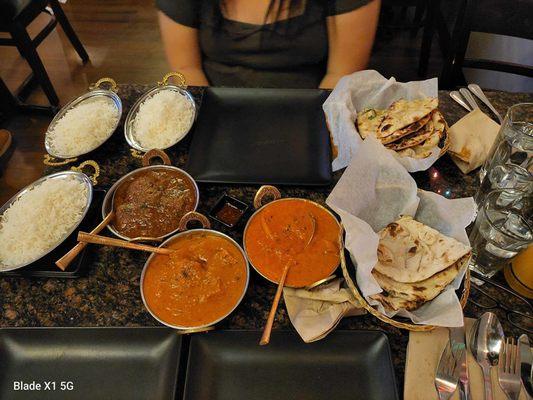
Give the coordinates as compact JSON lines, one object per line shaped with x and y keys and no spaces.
{"x":161,"y":117}
{"x":41,"y":216}
{"x":85,"y":123}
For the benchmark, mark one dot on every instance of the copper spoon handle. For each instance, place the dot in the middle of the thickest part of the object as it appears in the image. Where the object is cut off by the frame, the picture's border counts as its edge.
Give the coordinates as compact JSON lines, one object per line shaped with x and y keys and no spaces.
{"x":64,"y":261}
{"x":267,"y":330}
{"x":107,"y":241}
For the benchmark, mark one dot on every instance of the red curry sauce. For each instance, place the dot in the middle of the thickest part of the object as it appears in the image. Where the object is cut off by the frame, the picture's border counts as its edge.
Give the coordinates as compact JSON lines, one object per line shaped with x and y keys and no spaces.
{"x":282,"y":232}
{"x":199,"y":283}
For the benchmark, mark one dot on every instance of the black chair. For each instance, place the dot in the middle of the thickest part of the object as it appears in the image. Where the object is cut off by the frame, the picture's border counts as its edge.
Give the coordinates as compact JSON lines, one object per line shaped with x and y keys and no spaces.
{"x":15,"y":16}
{"x":501,"y":17}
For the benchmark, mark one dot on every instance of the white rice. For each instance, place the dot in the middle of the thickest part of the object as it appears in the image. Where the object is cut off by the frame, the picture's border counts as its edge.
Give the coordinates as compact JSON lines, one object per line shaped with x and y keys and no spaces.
{"x":37,"y":220}
{"x":84,"y":127}
{"x":163,"y":119}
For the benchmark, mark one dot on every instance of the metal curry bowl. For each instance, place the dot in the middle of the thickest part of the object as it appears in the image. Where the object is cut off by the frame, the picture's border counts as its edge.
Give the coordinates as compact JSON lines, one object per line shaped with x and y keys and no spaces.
{"x":107,"y":205}
{"x":181,"y":88}
{"x":95,"y":91}
{"x":194,"y":216}
{"x":81,"y":177}
{"x":259,"y":204}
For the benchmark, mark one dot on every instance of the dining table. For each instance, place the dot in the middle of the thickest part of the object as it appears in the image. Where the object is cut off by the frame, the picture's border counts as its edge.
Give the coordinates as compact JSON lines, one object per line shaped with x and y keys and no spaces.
{"x":107,"y":294}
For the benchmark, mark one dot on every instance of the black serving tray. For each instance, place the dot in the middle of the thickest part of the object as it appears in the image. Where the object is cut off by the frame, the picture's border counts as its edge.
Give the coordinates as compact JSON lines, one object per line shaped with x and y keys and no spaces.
{"x":45,"y":267}
{"x":260,"y":136}
{"x":230,"y":365}
{"x":90,"y":363}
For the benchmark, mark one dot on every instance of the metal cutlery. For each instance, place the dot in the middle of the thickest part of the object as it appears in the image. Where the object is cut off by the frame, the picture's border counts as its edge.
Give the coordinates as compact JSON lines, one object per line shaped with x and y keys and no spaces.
{"x":447,"y":377}
{"x":459,"y":99}
{"x":485,"y":344}
{"x":458,"y":345}
{"x":509,"y":369}
{"x":469,"y":98}
{"x":474,"y":88}
{"x":526,"y":361}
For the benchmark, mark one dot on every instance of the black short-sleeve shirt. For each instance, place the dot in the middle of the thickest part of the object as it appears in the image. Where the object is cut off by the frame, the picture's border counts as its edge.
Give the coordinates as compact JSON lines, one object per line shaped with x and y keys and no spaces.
{"x":288,"y":53}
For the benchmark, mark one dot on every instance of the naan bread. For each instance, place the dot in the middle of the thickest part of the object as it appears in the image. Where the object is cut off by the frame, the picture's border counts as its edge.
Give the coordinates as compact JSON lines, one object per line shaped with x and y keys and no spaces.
{"x":409,"y":251}
{"x":424,"y":149}
{"x":410,"y":296}
{"x":408,"y":130}
{"x":368,"y":121}
{"x":413,"y":139}
{"x":403,"y":113}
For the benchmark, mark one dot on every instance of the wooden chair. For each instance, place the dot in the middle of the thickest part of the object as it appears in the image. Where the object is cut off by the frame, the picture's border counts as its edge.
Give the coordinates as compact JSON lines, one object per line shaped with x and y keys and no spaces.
{"x":501,"y":17}
{"x":15,"y":16}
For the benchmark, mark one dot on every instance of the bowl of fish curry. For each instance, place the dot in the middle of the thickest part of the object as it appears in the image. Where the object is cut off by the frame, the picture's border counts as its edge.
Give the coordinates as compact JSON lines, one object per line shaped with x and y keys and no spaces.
{"x":200,"y":283}
{"x":149,"y":202}
{"x":291,"y":230}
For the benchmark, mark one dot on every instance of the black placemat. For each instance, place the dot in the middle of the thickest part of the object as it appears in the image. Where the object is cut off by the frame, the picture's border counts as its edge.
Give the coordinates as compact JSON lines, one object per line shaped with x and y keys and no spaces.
{"x":229,"y":365}
{"x":89,"y":363}
{"x":259,"y":136}
{"x":45,"y":267}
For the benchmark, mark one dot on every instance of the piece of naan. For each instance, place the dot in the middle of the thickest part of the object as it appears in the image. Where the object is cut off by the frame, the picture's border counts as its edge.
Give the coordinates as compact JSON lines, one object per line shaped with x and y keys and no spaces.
{"x":403,"y":113}
{"x":425,"y":148}
{"x":368,"y":121}
{"x":413,"y":139}
{"x":407,"y":131}
{"x":411,"y":296}
{"x":410,"y":251}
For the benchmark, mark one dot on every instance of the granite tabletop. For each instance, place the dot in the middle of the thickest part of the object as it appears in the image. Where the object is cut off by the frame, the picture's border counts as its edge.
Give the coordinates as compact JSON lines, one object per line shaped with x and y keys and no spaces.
{"x":108,"y":293}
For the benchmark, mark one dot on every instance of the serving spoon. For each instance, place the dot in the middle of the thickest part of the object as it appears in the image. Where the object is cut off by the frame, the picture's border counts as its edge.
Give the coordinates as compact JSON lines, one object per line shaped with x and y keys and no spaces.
{"x":267,"y":330}
{"x":485,"y":344}
{"x":64,"y":261}
{"x":107,"y":241}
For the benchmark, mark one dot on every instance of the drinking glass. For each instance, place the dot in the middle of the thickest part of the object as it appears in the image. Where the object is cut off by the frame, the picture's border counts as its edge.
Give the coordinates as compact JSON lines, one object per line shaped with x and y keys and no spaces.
{"x":502,"y":229}
{"x":510,"y":160}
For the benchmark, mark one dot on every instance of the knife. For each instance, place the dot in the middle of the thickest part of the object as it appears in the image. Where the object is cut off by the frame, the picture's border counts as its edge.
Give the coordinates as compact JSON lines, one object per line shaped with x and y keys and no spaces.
{"x":526,"y":359}
{"x":458,"y":343}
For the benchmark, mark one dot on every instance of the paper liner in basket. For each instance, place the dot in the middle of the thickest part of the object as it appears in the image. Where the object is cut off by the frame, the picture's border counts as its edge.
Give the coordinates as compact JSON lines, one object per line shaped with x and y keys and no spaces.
{"x":364,"y":89}
{"x":374,"y":191}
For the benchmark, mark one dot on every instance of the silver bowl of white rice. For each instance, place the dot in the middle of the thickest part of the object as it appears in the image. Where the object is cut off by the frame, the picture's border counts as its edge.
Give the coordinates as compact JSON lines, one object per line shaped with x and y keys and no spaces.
{"x":41,"y":216}
{"x":85,"y":123}
{"x":161,"y":117}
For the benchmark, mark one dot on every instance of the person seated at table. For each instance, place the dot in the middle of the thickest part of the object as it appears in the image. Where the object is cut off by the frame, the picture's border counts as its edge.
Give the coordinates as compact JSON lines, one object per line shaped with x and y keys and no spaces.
{"x":267,"y":43}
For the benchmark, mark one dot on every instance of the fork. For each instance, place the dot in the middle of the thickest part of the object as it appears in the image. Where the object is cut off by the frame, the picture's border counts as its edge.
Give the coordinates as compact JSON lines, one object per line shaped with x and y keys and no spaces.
{"x":447,"y":376}
{"x":509,"y":369}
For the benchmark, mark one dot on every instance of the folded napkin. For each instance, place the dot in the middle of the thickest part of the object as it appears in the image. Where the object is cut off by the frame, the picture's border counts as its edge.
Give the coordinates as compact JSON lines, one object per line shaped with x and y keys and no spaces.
{"x":315,"y":313}
{"x":471,"y":139}
{"x":423,"y":354}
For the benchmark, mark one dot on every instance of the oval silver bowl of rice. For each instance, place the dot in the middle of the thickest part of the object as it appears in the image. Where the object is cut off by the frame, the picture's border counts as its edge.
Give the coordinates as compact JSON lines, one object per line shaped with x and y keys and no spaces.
{"x":84,"y":124}
{"x":162,"y":117}
{"x":41,"y":216}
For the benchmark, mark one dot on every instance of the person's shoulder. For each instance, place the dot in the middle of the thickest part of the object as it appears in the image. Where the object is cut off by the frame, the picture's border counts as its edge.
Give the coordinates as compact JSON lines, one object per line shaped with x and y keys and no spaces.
{"x":336,"y":7}
{"x":184,"y":12}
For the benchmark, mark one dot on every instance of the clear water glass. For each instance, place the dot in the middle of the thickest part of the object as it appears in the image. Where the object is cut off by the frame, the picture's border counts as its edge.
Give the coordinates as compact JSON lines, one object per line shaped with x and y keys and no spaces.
{"x":503,"y":228}
{"x":509,"y":164}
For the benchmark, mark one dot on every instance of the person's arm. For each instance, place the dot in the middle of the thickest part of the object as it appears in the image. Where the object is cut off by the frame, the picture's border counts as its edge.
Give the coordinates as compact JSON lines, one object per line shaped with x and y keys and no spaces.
{"x":183,"y":50}
{"x":350,"y":39}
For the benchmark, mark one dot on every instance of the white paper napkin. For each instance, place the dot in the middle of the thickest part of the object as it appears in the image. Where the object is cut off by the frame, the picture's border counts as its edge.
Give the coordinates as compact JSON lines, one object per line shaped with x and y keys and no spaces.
{"x":374,"y":191}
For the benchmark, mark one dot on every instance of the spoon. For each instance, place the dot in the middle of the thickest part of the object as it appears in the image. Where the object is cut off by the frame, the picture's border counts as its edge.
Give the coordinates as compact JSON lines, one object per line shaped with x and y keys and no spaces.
{"x":64,"y":261}
{"x":107,"y":241}
{"x":474,"y":88}
{"x":459,"y":99}
{"x":485,"y":344}
{"x":267,"y":330}
{"x":469,"y":98}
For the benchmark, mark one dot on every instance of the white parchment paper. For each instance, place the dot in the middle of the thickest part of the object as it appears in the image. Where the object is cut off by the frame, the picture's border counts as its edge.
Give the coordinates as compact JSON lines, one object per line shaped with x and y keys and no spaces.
{"x":366,"y":89}
{"x":374,"y":191}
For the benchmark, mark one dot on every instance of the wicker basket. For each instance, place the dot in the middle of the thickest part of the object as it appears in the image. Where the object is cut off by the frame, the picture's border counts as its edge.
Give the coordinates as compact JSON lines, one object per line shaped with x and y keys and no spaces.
{"x":352,"y":285}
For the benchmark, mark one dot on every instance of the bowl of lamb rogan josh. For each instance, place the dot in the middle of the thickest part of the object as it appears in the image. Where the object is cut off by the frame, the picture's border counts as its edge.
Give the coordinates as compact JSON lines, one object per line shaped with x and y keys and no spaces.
{"x":149,"y":202}
{"x":200,"y":283}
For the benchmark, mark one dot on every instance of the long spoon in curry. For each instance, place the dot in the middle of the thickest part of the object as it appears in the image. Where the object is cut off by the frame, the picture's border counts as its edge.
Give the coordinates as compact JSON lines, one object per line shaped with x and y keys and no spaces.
{"x":267,"y":330}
